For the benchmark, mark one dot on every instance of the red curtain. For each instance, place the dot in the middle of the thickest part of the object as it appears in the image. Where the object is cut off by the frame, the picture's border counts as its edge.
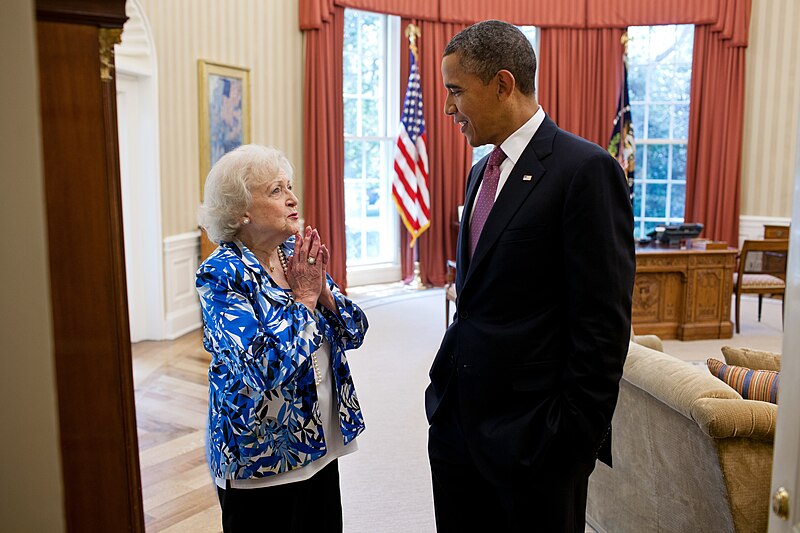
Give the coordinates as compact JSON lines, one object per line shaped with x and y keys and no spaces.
{"x":323,"y":139}
{"x":579,"y":79}
{"x":542,"y":13}
{"x":449,"y":155}
{"x":713,"y":166}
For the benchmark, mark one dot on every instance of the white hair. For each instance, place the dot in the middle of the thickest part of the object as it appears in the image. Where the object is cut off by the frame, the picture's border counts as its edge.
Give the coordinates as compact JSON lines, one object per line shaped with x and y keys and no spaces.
{"x":227,"y":191}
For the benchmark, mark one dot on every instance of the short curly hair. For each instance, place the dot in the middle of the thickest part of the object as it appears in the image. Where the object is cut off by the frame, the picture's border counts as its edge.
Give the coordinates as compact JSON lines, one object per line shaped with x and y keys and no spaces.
{"x":493,"y":45}
{"x":227,"y":195}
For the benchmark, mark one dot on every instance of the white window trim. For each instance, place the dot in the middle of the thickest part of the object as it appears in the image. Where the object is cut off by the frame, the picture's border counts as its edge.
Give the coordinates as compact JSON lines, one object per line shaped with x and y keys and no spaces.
{"x":388,"y":271}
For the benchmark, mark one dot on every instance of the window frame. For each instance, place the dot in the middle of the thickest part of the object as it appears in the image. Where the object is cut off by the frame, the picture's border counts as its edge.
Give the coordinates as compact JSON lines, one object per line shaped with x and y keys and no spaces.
{"x":386,"y":270}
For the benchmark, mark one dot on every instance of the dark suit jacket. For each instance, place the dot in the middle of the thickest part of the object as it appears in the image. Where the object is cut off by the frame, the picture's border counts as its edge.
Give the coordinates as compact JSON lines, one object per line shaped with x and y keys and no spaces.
{"x":543,"y":313}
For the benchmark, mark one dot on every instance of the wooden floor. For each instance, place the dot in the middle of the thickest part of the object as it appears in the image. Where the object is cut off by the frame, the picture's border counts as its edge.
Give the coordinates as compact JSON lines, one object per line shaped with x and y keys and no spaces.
{"x":171,"y":407}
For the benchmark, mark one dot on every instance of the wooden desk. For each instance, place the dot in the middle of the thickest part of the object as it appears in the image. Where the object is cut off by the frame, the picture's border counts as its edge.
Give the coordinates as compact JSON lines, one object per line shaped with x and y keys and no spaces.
{"x":683,"y":294}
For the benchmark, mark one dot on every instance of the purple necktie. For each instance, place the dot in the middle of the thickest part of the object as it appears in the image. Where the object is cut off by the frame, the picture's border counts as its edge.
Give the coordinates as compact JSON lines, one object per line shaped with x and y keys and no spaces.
{"x":485,"y":201}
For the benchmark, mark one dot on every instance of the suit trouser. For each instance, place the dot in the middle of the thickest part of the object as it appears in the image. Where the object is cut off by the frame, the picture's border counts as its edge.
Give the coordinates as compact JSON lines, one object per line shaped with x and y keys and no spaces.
{"x":540,"y":500}
{"x":310,"y":506}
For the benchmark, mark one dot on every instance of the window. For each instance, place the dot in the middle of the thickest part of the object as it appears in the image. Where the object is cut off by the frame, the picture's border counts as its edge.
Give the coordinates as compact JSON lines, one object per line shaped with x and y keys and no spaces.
{"x":659,"y":78}
{"x":371,"y":114}
{"x":532,"y":33}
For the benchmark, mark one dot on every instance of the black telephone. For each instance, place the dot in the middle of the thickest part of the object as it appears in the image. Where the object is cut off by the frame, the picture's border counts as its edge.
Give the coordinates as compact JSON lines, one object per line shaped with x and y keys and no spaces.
{"x":676,"y":233}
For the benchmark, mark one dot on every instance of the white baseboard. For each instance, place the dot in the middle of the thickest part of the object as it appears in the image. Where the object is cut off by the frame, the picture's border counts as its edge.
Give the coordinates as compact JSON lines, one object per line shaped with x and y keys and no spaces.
{"x":181,"y":259}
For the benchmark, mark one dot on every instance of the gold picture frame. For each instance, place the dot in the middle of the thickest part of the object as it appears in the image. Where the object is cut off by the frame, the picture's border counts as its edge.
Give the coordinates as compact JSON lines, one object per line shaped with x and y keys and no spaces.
{"x":223,"y":110}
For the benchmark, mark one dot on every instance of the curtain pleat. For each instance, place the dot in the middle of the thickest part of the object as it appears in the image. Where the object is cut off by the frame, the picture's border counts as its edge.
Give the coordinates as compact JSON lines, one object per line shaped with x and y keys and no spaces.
{"x":323,"y":136}
{"x":542,"y":13}
{"x":716,"y":119}
{"x":579,"y":79}
{"x":624,"y":13}
{"x":449,"y":156}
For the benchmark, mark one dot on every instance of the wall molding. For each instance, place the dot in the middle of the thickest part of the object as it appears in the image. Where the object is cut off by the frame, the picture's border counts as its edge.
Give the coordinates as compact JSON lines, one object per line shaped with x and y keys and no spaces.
{"x":181,"y":260}
{"x":752,"y":227}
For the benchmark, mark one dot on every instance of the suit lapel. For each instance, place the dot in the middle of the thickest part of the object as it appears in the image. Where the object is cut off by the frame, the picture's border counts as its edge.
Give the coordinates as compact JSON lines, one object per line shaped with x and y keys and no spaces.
{"x":525,"y":176}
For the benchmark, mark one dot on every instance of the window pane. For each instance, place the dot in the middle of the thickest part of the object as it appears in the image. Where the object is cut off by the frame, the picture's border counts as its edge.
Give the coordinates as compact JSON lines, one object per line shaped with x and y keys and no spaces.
{"x":374,"y":158}
{"x":374,"y":200}
{"x":353,"y":201}
{"x":637,"y":76}
{"x":658,"y":122}
{"x":638,"y":37}
{"x":373,"y":243}
{"x":661,"y":82}
{"x":371,"y":44}
{"x":352,"y":159}
{"x":370,"y":125}
{"x":370,"y":73}
{"x":641,"y":170}
{"x":684,"y":44}
{"x":350,"y":116}
{"x":656,"y":200}
{"x":681,"y":83}
{"x":637,"y":200}
{"x":678,"y":201}
{"x":637,"y":114}
{"x":680,"y":122}
{"x":657,"y":161}
{"x":353,"y":244}
{"x":662,"y":44}
{"x":679,"y":162}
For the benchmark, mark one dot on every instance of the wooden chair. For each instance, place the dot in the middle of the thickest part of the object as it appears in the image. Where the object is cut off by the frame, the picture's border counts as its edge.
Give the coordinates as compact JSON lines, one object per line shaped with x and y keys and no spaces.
{"x":449,"y":290}
{"x":761,"y":270}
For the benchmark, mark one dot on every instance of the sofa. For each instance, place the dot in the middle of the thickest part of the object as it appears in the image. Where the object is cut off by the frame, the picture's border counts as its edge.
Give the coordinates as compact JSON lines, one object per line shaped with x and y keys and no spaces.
{"x":689,"y":454}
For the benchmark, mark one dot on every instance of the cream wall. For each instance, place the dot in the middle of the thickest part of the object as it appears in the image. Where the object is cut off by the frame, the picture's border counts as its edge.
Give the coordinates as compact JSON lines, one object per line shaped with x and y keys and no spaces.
{"x":30,"y":472}
{"x":262,"y":35}
{"x":772,"y":102}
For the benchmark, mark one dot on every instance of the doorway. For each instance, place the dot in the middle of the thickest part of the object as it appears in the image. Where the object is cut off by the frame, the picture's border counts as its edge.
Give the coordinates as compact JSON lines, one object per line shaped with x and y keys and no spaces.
{"x":137,"y":117}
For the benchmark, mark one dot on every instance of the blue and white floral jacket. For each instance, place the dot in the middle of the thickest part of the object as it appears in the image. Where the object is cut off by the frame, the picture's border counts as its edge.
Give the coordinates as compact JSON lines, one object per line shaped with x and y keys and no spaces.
{"x":263,"y":417}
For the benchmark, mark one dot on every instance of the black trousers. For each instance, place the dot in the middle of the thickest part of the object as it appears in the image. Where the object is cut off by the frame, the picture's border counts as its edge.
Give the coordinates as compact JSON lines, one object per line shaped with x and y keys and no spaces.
{"x":313,"y":505}
{"x":541,"y":500}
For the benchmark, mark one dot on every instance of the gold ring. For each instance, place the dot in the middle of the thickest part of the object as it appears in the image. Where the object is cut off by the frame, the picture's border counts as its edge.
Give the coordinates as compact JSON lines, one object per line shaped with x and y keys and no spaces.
{"x":311,"y":261}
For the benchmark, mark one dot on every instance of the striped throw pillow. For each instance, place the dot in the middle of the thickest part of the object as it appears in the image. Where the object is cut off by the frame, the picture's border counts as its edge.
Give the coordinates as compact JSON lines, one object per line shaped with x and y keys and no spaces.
{"x":761,"y":385}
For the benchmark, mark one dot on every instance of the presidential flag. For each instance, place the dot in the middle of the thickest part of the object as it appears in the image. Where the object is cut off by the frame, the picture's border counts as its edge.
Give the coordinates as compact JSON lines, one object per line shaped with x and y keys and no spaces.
{"x":410,"y":186}
{"x":622,"y":145}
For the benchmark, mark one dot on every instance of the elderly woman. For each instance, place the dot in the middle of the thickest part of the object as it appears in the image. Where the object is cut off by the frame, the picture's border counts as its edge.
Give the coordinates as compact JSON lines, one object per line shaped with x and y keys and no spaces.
{"x":282,"y":406}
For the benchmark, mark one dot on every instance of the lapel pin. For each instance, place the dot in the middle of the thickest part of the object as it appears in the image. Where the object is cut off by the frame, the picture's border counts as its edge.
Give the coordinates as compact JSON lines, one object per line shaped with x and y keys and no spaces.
{"x":527,"y":177}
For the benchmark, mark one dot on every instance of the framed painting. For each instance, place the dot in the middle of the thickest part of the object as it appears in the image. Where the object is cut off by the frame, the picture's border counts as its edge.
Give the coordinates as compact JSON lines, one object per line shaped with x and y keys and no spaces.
{"x":224,"y":106}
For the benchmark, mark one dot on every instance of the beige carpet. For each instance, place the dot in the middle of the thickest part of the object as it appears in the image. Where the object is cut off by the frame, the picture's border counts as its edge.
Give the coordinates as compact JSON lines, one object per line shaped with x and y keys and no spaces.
{"x":386,"y":485}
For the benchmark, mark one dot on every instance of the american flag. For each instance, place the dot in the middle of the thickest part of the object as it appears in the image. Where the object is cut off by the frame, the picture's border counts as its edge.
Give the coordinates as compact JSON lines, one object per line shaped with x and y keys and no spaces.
{"x":410,"y":185}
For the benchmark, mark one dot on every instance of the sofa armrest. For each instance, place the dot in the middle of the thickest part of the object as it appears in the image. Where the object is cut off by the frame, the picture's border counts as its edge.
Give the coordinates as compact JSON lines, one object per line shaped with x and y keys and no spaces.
{"x":674,"y":382}
{"x":651,"y":341}
{"x":723,"y":418}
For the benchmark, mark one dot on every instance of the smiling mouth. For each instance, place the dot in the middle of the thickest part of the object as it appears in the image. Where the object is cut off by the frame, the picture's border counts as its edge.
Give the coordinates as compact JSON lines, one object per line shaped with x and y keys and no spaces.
{"x":463,"y":124}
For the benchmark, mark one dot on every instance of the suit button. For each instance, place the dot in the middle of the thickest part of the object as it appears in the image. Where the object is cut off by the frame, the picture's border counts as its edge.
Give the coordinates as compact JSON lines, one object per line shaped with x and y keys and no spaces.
{"x":463,"y":315}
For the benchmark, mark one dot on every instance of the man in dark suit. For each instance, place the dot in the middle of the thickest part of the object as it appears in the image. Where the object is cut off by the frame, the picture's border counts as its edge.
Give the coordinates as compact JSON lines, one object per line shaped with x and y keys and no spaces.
{"x":526,"y":379}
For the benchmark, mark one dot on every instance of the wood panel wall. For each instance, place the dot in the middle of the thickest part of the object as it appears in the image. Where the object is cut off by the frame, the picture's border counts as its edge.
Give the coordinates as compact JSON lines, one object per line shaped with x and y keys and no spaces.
{"x":94,"y":379}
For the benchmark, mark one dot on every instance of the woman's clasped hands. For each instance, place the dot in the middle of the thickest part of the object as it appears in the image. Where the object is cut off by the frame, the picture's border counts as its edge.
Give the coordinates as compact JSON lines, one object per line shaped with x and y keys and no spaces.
{"x":306,"y":269}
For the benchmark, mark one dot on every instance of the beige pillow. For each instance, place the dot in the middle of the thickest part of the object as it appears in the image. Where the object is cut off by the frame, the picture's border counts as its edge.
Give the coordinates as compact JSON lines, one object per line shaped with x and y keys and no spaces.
{"x":752,"y":358}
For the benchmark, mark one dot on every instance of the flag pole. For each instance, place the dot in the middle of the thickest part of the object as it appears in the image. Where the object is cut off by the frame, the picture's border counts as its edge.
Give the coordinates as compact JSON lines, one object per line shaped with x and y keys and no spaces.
{"x":412,"y":32}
